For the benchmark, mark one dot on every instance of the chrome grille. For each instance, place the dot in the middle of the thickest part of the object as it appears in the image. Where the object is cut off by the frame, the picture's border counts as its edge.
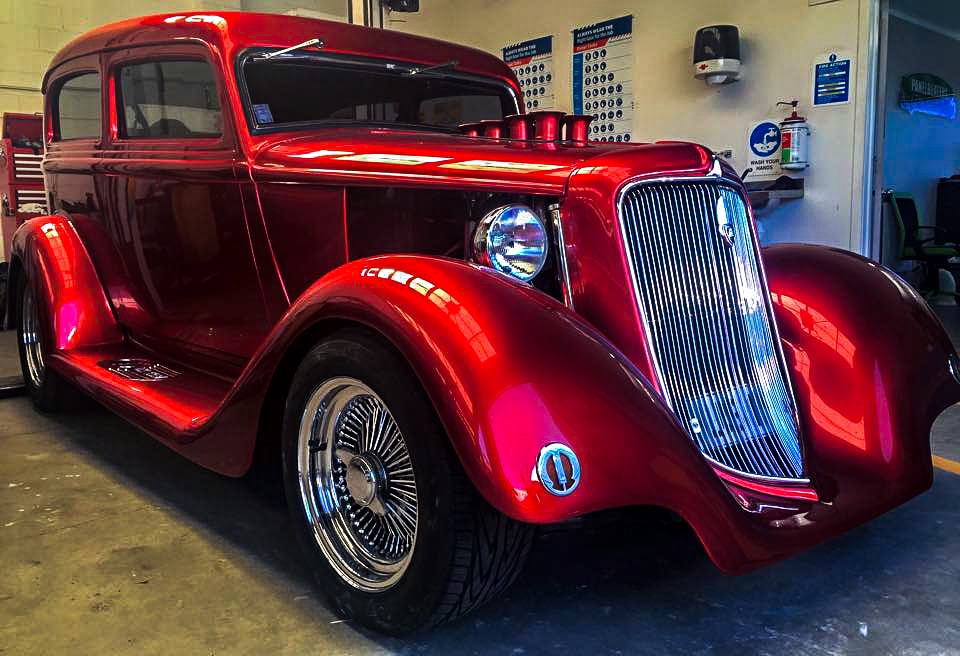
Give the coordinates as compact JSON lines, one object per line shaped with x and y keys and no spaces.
{"x":708,"y":321}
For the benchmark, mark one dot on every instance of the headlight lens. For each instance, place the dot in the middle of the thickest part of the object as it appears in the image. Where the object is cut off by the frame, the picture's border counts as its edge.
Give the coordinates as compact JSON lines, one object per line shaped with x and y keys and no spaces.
{"x":512,"y":240}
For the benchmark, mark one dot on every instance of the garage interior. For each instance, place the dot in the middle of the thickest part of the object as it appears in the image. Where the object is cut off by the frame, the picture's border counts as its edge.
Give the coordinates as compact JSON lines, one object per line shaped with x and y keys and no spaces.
{"x":111,"y":543}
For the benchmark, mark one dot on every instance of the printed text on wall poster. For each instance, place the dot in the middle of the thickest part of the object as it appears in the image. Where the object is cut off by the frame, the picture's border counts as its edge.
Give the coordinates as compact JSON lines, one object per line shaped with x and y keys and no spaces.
{"x":603,"y":77}
{"x":532,"y":63}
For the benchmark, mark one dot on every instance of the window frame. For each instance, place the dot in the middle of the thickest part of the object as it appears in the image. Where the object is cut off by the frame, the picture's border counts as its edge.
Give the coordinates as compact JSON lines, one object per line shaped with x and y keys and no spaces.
{"x":152,"y":53}
{"x":360,"y":62}
{"x":57,"y":88}
{"x":121,"y":110}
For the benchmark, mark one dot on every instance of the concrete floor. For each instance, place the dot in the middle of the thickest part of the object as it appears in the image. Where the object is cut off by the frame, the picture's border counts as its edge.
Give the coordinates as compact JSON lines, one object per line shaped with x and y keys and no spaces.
{"x":110,"y":543}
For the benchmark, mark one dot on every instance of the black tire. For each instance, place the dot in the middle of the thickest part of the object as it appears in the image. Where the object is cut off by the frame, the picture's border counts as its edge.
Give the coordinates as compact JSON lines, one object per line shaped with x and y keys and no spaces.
{"x":4,"y":288}
{"x":464,"y":552}
{"x":46,"y":388}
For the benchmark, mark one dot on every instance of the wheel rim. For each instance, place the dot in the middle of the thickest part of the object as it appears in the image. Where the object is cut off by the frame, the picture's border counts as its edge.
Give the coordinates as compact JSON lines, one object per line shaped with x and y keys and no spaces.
{"x":357,"y":484}
{"x":30,"y":337}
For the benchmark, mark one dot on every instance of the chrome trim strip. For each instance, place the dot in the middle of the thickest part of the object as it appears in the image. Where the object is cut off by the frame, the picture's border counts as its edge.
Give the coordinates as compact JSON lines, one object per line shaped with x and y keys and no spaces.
{"x":754,"y":477}
{"x":777,"y":340}
{"x":561,"y":245}
{"x":747,"y":403}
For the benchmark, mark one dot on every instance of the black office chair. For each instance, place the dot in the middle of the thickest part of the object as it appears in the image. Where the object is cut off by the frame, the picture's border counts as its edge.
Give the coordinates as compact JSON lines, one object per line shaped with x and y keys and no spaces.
{"x":918,"y":242}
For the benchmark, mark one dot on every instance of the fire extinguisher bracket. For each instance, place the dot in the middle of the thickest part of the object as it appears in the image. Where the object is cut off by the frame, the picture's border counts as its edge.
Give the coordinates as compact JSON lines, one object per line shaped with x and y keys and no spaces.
{"x":794,"y":140}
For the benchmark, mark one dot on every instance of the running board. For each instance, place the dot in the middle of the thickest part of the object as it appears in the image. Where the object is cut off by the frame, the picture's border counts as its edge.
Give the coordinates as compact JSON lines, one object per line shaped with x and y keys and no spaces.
{"x":173,"y":403}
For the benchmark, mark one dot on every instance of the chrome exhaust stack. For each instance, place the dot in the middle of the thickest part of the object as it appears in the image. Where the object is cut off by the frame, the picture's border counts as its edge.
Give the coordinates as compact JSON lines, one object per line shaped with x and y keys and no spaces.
{"x":545,"y":126}
{"x":576,"y":127}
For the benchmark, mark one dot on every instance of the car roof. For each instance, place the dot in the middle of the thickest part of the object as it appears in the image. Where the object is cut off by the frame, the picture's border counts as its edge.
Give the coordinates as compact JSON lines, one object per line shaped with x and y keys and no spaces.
{"x":232,"y":32}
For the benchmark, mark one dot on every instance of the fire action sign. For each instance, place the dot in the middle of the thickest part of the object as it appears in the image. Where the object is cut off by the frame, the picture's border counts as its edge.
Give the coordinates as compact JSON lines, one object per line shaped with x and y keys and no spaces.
{"x":532,"y":63}
{"x":603,"y":77}
{"x":831,"y":79}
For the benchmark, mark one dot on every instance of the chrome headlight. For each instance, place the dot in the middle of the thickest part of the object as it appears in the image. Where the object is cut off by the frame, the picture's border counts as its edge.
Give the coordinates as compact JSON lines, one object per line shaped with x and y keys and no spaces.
{"x":513,"y":240}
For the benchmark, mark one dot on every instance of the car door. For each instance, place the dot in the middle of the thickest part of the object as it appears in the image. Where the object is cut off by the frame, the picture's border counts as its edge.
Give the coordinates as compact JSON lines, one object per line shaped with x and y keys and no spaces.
{"x":173,"y":208}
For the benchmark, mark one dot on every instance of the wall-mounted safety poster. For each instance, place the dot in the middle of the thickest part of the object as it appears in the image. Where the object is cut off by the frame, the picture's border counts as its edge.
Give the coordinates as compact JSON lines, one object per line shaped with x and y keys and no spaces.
{"x":603,"y":77}
{"x":831,"y":79}
{"x":532,"y":63}
{"x":763,"y":149}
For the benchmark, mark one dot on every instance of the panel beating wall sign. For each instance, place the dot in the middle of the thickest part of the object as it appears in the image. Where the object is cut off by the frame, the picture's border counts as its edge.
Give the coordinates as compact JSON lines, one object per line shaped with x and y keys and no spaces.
{"x":603,"y":77}
{"x":532,"y":63}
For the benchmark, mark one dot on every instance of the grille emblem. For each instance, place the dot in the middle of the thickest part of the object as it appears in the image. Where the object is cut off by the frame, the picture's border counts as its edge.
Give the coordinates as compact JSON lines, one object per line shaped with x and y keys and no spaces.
{"x":724,"y":225}
{"x":558,"y":469}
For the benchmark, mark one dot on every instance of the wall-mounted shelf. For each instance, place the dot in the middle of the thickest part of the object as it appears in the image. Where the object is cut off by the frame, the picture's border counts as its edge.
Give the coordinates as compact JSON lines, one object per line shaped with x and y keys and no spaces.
{"x":767,"y":194}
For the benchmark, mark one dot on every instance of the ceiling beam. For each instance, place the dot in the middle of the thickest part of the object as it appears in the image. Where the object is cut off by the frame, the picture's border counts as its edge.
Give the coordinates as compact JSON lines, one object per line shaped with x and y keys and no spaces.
{"x":926,"y":24}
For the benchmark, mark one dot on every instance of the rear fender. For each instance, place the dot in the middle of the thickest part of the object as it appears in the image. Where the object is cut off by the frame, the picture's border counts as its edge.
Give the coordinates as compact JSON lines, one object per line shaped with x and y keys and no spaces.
{"x":48,"y":251}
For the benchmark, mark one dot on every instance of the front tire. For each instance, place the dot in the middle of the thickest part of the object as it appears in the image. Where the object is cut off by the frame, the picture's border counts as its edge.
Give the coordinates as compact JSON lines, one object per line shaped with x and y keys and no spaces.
{"x":394,"y":532}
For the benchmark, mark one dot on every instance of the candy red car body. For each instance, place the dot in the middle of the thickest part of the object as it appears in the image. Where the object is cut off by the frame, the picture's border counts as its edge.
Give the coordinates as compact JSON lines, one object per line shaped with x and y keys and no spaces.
{"x":772,"y":398}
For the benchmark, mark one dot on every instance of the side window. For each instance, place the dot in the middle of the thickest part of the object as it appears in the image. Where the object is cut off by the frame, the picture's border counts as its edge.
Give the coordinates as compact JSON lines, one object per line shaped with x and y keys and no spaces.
{"x":78,"y":108}
{"x":168,"y":100}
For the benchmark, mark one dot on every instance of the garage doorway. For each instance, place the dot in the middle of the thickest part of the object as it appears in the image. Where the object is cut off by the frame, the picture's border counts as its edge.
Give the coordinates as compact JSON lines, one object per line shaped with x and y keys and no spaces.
{"x":918,"y":143}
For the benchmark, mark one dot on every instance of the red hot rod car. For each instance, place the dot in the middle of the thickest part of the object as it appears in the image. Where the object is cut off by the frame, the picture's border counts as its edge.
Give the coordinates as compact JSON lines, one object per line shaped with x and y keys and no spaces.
{"x":450,"y":320}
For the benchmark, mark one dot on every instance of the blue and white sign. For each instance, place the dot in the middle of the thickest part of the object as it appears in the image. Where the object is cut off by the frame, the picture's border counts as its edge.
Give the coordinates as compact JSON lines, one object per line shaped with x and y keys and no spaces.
{"x":763,"y":145}
{"x":532,"y":63}
{"x":603,"y":78}
{"x":831,"y":79}
{"x":765,"y":139}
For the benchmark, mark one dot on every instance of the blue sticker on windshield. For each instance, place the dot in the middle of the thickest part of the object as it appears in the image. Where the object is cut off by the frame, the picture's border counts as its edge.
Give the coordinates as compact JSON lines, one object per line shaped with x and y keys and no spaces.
{"x":263,"y":114}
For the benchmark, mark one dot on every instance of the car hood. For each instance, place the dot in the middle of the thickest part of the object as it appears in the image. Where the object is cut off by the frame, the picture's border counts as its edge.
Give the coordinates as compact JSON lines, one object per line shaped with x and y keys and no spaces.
{"x":378,"y":156}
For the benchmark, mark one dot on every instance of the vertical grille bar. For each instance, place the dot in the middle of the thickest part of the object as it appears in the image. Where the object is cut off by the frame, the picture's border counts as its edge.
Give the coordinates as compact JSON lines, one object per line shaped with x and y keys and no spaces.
{"x":704,"y":302}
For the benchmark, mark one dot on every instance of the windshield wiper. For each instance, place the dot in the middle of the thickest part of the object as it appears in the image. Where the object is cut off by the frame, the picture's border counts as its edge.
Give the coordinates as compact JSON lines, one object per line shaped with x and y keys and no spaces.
{"x":435,"y":67}
{"x":306,"y":44}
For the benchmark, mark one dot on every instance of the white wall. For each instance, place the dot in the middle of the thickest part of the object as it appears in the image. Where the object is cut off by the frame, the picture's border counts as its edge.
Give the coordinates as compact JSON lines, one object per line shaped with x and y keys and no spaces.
{"x":780,"y":39}
{"x":31,"y":31}
{"x":919,"y":149}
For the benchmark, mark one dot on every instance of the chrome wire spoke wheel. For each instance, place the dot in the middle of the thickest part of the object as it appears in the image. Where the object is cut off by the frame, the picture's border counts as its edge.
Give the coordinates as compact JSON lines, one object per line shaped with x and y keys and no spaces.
{"x":357,"y":484}
{"x":30,"y":337}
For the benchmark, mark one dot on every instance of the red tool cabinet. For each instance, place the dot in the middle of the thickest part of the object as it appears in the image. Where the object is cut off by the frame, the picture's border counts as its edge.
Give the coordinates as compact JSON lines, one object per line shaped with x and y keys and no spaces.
{"x":22,"y":195}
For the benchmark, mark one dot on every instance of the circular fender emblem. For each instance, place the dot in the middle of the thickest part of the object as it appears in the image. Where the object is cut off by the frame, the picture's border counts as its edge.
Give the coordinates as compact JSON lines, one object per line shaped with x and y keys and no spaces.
{"x":558,"y":469}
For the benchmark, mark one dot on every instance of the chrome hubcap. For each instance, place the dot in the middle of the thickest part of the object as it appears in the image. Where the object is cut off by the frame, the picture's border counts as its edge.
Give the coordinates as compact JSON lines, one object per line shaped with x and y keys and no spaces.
{"x":357,"y":484}
{"x":30,"y":337}
{"x":364,"y":483}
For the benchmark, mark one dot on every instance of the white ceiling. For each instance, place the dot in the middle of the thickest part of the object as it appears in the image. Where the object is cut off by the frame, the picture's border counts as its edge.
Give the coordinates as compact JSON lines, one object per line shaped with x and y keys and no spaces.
{"x":941,"y":16}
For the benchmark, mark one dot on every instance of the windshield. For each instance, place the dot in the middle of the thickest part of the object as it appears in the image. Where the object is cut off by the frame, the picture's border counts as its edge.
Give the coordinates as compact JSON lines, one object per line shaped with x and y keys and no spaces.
{"x":305,"y":89}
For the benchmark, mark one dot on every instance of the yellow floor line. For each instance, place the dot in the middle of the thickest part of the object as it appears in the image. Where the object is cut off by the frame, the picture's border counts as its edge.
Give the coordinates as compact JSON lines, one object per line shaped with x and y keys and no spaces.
{"x":946,"y":464}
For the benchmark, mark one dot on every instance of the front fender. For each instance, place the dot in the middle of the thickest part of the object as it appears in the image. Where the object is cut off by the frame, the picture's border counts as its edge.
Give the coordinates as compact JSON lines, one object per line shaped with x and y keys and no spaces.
{"x":510,"y":370}
{"x":48,"y":251}
{"x":870,"y":371}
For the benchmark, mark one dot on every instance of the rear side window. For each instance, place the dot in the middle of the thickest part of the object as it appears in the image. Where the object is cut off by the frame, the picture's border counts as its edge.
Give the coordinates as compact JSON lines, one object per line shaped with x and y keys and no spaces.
{"x":169,"y":100}
{"x":78,"y":108}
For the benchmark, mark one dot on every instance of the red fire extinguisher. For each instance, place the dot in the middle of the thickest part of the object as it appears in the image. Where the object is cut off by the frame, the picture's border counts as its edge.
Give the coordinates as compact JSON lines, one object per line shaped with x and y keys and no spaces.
{"x":794,"y":135}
